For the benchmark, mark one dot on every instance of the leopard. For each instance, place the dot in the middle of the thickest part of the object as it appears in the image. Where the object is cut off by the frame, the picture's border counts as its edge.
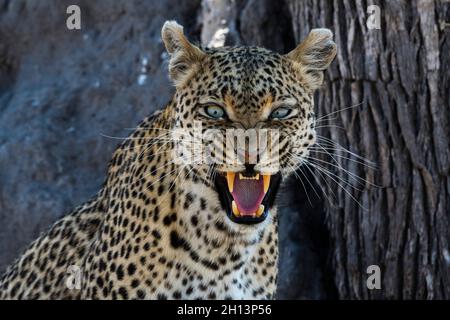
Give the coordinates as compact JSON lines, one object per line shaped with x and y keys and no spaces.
{"x":165,"y":227}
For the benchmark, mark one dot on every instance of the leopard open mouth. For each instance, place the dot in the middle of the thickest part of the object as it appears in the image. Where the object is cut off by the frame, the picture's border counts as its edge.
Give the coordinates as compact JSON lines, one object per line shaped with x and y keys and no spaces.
{"x":245,"y":197}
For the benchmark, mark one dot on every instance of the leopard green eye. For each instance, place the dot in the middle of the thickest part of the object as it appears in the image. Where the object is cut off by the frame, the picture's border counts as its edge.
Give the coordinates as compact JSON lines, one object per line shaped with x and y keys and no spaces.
{"x":280,"y":113}
{"x":214,"y":112}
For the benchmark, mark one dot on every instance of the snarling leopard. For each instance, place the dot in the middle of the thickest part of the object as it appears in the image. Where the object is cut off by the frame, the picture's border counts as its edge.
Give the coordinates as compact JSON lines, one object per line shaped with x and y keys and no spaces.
{"x":173,"y":221}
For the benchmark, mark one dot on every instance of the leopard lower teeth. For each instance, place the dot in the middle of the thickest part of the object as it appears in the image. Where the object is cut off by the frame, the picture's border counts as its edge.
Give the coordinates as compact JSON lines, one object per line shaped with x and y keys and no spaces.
{"x":256,"y":177}
{"x":237,"y":213}
{"x":235,"y":209}
{"x":260,"y":210}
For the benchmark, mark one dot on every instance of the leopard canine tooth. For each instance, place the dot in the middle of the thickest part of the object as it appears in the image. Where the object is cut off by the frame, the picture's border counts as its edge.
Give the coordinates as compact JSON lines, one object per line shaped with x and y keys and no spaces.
{"x":260,"y":210}
{"x":235,"y":209}
{"x":230,"y":181}
{"x":266,"y":179}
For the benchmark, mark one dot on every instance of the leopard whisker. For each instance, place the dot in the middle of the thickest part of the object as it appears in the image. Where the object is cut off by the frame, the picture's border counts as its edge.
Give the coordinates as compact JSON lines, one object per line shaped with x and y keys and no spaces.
{"x":337,"y":146}
{"x":301,"y":181}
{"x":332,"y":156}
{"x":183,"y":168}
{"x":356,"y":178}
{"x":325,"y":170}
{"x":340,"y":110}
{"x":161,"y":177}
{"x":329,"y":126}
{"x":330,"y":175}
{"x":173,"y":183}
{"x":340,"y":156}
{"x":318,"y":183}
{"x":346,"y":182}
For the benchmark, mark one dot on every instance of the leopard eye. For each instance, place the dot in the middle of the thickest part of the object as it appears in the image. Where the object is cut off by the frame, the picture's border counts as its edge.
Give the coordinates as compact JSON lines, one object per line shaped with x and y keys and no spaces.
{"x":280,"y":113}
{"x":214,"y":112}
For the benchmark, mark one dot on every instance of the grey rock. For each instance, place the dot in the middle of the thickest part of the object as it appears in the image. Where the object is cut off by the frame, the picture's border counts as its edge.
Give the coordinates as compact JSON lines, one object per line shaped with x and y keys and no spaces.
{"x":63,"y":91}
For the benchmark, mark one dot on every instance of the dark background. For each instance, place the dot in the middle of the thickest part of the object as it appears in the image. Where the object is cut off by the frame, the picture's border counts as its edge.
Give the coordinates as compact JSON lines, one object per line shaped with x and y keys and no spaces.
{"x":61,"y":91}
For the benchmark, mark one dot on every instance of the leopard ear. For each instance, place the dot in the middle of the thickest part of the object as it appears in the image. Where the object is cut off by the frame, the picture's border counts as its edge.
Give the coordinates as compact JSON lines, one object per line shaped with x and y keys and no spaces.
{"x":313,"y":56}
{"x":184,"y":56}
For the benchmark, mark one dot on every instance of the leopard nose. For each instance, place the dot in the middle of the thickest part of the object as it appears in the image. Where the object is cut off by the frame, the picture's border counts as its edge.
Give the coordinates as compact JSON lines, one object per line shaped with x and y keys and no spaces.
{"x":247,"y":156}
{"x":249,"y":170}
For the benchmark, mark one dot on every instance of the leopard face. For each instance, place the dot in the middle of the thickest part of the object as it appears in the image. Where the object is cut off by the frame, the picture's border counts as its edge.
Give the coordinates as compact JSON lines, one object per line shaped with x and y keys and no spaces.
{"x":244,"y":118}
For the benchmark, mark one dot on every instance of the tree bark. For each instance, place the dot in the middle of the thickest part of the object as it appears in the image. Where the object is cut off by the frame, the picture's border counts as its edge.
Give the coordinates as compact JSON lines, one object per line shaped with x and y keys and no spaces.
{"x":386,"y":98}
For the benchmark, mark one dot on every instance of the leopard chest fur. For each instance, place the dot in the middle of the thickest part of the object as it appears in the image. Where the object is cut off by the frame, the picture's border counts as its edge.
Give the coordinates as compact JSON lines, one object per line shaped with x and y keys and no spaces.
{"x":171,"y":240}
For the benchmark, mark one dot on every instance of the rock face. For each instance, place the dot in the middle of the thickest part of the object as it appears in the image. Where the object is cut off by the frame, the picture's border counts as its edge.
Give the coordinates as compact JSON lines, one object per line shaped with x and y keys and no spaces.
{"x":67,"y":97}
{"x":62,"y":92}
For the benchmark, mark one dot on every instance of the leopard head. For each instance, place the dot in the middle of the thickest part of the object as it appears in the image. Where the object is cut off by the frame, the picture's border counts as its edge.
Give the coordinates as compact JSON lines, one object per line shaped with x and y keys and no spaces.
{"x":246,"y":116}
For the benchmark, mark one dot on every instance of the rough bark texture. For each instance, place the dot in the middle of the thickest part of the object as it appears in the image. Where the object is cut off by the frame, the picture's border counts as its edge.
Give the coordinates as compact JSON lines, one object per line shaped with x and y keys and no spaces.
{"x":60,"y":90}
{"x":400,"y":77}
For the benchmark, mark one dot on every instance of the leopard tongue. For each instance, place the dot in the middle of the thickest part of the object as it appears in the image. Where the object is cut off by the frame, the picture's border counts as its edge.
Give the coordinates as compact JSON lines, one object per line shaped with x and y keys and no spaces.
{"x":248,"y":194}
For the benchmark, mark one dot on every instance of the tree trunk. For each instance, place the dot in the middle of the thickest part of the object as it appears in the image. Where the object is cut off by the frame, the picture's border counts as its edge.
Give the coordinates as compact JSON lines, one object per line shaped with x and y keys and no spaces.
{"x":386,"y":99}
